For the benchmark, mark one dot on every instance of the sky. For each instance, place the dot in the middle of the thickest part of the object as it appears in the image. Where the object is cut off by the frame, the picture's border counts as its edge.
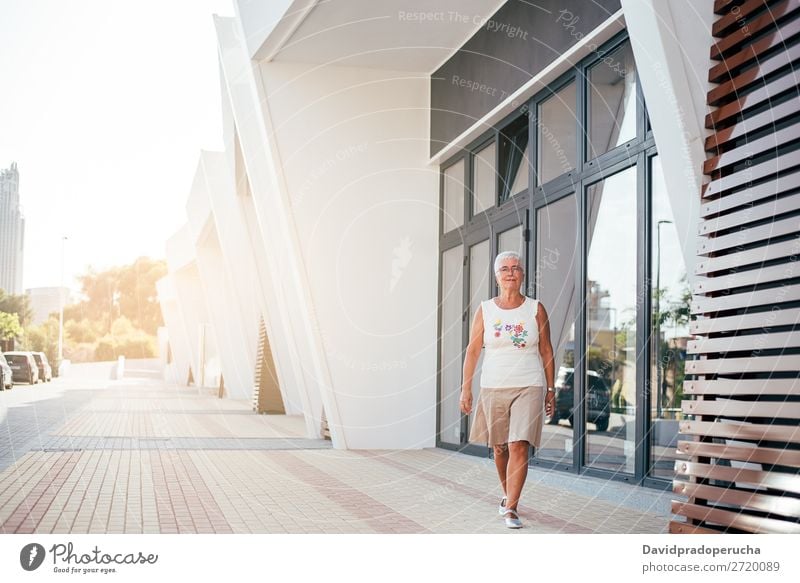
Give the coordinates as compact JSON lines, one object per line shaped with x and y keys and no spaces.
{"x":105,"y":106}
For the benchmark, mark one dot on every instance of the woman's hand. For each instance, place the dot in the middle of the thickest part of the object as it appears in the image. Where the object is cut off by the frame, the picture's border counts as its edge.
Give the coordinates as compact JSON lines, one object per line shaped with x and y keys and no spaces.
{"x":466,"y":401}
{"x":550,"y":403}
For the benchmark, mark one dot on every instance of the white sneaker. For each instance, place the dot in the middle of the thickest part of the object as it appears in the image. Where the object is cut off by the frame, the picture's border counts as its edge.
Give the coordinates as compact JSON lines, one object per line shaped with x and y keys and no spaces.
{"x":501,"y":510}
{"x":512,"y":519}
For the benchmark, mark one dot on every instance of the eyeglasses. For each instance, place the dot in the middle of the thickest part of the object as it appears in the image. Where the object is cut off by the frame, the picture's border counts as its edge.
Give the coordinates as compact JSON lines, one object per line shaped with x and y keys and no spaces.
{"x":513,"y":269}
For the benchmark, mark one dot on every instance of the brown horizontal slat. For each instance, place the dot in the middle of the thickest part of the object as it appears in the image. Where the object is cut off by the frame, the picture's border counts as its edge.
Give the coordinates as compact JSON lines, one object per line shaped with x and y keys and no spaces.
{"x":780,"y":505}
{"x":730,"y":408}
{"x":745,"y":321}
{"x":784,"y":35}
{"x":763,"y":341}
{"x":733,"y":18}
{"x":676,"y":527}
{"x":771,"y":230}
{"x":743,"y":431}
{"x":778,"y":480}
{"x":751,"y":214}
{"x":758,"y":455}
{"x":746,"y":522}
{"x":767,"y":118}
{"x":704,"y":305}
{"x":753,"y":148}
{"x":783,"y":184}
{"x":775,"y":14}
{"x":724,"y":6}
{"x":769,"y":252}
{"x":777,"y":165}
{"x":752,"y":277}
{"x":722,"y":116}
{"x":745,"y":80}
{"x":742,"y":387}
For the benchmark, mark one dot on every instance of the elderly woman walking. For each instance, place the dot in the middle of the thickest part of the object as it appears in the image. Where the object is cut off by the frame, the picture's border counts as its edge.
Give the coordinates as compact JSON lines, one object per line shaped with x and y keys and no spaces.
{"x":516,"y":379}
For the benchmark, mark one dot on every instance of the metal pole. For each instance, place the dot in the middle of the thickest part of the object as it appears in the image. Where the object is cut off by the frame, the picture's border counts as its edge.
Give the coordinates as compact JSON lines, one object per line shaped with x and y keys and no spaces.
{"x":658,"y":318}
{"x":61,"y":308}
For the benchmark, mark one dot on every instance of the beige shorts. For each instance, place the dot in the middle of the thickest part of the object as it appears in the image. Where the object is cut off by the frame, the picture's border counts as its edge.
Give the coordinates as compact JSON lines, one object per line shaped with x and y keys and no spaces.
{"x":506,"y":415}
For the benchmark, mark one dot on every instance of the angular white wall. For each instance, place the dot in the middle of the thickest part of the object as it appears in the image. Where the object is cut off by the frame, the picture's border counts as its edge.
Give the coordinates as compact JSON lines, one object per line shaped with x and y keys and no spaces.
{"x":671,"y":40}
{"x":348,"y":210}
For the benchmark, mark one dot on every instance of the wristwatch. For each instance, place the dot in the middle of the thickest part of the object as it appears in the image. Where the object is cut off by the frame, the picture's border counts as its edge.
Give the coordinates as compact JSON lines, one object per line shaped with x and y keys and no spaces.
{"x":551,"y":389}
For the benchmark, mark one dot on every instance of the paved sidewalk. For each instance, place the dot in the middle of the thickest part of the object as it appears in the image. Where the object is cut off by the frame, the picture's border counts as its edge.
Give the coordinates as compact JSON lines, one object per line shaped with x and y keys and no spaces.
{"x":137,"y":456}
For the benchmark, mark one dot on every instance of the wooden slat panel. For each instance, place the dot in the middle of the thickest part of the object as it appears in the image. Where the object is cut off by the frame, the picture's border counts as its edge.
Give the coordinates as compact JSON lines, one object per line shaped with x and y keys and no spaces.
{"x":742,"y":387}
{"x":741,"y":84}
{"x":769,"y":117}
{"x":750,"y":53}
{"x":752,"y":148}
{"x":787,"y":293}
{"x":758,"y":171}
{"x":676,"y":527}
{"x":761,"y":341}
{"x":784,"y":184}
{"x":743,"y":431}
{"x":754,"y":524}
{"x":758,"y":455}
{"x":763,"y":479}
{"x":781,"y":250}
{"x":777,"y":228}
{"x":780,"y":505}
{"x":763,"y":275}
{"x":730,"y":43}
{"x":724,"y":6}
{"x":784,"y":363}
{"x":751,"y":214}
{"x":732,"y":19}
{"x":745,"y":321}
{"x":730,"y":408}
{"x":726,"y":115}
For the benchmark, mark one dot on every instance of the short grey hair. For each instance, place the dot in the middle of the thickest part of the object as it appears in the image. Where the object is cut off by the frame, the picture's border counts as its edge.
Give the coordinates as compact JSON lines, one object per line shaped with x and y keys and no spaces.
{"x":506,"y":255}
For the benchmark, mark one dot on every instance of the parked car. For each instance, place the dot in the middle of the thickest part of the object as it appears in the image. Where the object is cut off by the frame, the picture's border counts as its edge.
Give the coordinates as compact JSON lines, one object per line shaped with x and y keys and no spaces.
{"x":6,"y":374}
{"x":45,"y":371}
{"x":598,"y":398}
{"x":23,"y":366}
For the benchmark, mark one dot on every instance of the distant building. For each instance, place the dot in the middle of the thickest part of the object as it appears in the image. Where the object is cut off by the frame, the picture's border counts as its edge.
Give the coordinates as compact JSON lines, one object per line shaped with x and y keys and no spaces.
{"x":45,"y":301}
{"x":12,"y":231}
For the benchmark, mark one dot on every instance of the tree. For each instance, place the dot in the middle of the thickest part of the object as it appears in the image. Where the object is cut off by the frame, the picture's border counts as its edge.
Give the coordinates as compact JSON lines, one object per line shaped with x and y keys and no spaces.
{"x":19,"y":305}
{"x":9,"y":326}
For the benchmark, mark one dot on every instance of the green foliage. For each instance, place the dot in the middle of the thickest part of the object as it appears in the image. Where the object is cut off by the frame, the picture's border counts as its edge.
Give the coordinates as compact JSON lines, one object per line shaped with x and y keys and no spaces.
{"x":125,"y":340}
{"x":9,"y":326}
{"x":43,"y":338}
{"x":119,"y":314}
{"x":19,"y":305}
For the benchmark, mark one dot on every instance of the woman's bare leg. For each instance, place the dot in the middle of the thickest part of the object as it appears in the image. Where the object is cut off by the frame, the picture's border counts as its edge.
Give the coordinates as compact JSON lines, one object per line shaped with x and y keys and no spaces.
{"x":501,"y":463}
{"x":517,"y":472}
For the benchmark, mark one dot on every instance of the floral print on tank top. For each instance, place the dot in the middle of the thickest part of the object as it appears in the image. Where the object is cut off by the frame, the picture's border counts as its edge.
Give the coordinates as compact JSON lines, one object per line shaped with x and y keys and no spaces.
{"x":516,"y":332}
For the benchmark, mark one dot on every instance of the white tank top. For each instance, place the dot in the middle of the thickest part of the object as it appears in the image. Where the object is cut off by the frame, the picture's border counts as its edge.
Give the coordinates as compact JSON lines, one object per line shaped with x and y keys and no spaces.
{"x":511,"y":340}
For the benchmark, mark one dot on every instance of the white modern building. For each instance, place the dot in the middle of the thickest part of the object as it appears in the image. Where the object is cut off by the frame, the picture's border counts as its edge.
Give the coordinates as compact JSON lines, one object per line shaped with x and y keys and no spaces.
{"x":45,"y":301}
{"x":12,"y":232}
{"x":378,"y":155}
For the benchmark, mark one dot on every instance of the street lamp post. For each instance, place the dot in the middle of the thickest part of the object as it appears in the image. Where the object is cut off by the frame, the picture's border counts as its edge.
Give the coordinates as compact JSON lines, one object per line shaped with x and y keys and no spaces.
{"x":61,"y":308}
{"x":658,"y":316}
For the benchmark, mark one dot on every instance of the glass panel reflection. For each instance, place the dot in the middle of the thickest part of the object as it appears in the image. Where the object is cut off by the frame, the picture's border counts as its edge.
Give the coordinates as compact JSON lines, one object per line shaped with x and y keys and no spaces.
{"x":480,"y":267}
{"x":557,"y":135}
{"x":610,"y":386}
{"x":514,"y":159}
{"x":556,"y":245}
{"x":612,"y":101}
{"x":671,"y":297}
{"x":484,"y":183}
{"x":451,"y":344}
{"x":454,"y":196}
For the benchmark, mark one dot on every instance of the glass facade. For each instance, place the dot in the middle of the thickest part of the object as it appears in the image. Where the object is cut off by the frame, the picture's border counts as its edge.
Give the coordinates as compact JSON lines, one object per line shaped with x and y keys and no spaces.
{"x":597,"y":236}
